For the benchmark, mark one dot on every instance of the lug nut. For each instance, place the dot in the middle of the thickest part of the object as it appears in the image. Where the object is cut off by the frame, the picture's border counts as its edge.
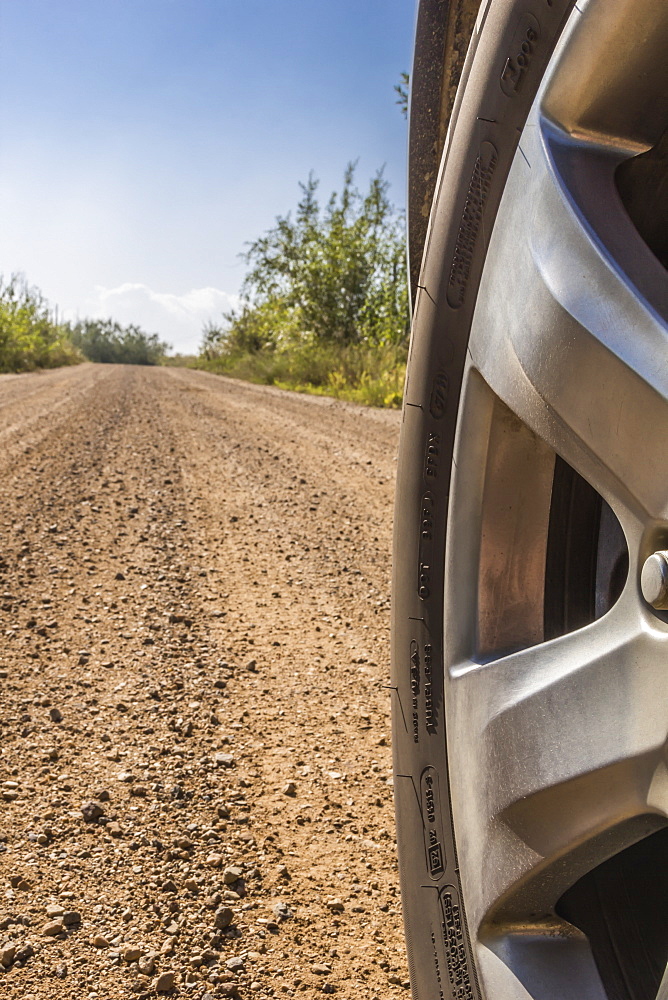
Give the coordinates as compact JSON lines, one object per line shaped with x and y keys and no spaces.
{"x":654,"y":580}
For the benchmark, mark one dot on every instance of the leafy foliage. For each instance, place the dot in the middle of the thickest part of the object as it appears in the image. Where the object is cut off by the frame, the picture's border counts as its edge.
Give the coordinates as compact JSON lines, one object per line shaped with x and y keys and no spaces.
{"x":371,"y":374}
{"x":338,"y":272}
{"x":401,"y":89}
{"x":324,"y":295}
{"x":29,"y":338}
{"x":107,"y":342}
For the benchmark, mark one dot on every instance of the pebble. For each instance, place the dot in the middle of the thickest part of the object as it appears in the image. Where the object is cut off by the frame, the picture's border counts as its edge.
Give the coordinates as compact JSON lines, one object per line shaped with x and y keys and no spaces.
{"x":335,"y":905}
{"x":99,"y":941}
{"x":132,"y":954}
{"x":282,"y":911}
{"x":224,"y":759}
{"x":91,"y":811}
{"x":71,"y":917}
{"x":56,"y":715}
{"x":235,"y":964}
{"x":290,"y":788}
{"x":146,"y":965}
{"x":232,"y":875}
{"x":320,"y":969}
{"x":223,"y":917}
{"x":7,"y":953}
{"x":53,"y":928}
{"x":164,"y":982}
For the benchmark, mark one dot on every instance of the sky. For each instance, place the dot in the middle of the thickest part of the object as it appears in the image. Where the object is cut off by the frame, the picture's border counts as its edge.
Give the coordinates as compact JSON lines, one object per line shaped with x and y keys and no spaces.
{"x":144,"y":142}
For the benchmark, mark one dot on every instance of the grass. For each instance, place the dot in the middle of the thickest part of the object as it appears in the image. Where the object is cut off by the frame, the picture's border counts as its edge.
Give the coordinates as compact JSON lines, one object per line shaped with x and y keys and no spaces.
{"x":371,"y":375}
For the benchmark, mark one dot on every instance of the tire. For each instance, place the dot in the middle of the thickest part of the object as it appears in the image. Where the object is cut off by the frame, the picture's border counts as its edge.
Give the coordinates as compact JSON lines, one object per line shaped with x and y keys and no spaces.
{"x":490,"y":450}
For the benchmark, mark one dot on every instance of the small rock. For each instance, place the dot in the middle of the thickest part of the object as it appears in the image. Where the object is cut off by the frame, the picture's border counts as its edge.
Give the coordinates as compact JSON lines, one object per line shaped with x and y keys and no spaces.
{"x":91,"y":811}
{"x":146,"y":965}
{"x":320,"y":969}
{"x":165,"y":982}
{"x":99,"y":941}
{"x":290,"y":788}
{"x":192,"y":885}
{"x":53,"y":928}
{"x":214,"y":860}
{"x":252,"y":666}
{"x":328,"y":988}
{"x":335,"y":905}
{"x":169,"y":886}
{"x":56,"y":715}
{"x":132,"y":954}
{"x":223,"y":917}
{"x":282,"y":911}
{"x":232,"y":874}
{"x":224,"y":759}
{"x":7,"y":954}
{"x":235,"y":964}
{"x":282,"y":871}
{"x":71,"y":917}
{"x":53,"y":911}
{"x":24,"y":953}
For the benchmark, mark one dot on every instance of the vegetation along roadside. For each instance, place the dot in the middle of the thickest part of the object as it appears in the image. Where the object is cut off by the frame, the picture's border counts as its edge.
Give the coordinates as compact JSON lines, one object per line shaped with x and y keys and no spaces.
{"x":31,"y":337}
{"x":325,"y":301}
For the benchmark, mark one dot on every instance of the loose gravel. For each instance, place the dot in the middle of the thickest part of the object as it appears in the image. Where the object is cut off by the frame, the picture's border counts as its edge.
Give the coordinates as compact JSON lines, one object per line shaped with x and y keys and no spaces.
{"x":195,"y":775}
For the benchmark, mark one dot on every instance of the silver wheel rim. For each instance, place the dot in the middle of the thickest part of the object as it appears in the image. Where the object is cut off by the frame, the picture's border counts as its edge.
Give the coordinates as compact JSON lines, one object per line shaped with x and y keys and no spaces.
{"x":557,"y":748}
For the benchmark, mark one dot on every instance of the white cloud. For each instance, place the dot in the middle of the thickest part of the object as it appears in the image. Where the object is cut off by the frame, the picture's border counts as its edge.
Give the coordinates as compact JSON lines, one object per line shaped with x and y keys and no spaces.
{"x":178,"y":319}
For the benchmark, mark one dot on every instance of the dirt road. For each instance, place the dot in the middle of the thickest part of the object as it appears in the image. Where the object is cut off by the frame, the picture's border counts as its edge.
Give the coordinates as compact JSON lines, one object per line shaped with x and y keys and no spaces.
{"x":195,"y":783}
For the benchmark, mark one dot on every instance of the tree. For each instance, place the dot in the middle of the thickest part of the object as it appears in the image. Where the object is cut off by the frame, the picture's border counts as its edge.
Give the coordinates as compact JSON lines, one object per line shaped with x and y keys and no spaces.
{"x":335,"y":273}
{"x":107,"y":342}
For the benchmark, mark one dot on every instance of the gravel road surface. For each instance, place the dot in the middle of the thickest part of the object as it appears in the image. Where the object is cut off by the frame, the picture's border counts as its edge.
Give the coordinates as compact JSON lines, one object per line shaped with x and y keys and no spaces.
{"x":195,"y":776}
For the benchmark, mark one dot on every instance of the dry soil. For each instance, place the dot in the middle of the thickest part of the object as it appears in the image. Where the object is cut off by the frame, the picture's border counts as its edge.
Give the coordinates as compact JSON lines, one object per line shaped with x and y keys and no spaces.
{"x":195,"y":780}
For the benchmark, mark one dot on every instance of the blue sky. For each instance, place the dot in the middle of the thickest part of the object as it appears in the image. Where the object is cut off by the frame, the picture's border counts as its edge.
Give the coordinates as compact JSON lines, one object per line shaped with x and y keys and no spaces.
{"x":142,"y":142}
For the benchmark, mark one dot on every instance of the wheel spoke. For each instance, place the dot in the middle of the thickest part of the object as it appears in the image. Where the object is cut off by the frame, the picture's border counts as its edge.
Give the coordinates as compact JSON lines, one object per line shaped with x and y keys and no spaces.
{"x":554,"y":775}
{"x":561,"y":333}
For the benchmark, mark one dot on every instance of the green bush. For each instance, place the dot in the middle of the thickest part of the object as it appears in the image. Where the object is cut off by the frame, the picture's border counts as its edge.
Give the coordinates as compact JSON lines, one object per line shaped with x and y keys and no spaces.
{"x":29,"y":338}
{"x":325,"y":302}
{"x":107,"y":342}
{"x":369,"y":374}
